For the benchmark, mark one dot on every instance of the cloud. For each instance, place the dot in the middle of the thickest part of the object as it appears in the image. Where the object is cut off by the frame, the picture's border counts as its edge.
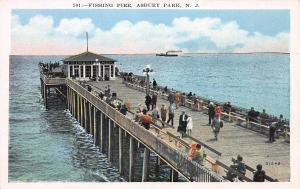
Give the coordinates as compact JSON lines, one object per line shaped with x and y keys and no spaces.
{"x":41,"y":36}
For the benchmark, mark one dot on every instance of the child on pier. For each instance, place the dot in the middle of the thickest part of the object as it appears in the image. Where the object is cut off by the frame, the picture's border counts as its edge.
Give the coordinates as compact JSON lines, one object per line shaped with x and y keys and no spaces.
{"x":189,"y":126}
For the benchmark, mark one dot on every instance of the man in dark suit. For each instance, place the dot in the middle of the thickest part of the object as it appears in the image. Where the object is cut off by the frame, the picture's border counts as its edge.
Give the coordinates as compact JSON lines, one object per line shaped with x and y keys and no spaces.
{"x":182,"y":123}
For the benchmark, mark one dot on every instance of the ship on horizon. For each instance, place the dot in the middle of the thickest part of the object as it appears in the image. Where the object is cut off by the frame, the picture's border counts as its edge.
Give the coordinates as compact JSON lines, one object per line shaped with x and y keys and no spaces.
{"x":170,"y":53}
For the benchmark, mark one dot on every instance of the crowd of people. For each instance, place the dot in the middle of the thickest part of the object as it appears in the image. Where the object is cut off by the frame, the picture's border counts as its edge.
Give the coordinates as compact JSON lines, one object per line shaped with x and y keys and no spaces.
{"x":48,"y":68}
{"x":150,"y":113}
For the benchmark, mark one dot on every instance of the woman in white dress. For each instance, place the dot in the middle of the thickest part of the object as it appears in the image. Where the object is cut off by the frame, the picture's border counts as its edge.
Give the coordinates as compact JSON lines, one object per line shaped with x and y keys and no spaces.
{"x":189,"y":126}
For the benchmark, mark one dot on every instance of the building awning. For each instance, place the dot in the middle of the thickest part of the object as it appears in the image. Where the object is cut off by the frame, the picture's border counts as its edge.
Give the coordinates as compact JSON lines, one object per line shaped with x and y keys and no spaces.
{"x":88,"y":57}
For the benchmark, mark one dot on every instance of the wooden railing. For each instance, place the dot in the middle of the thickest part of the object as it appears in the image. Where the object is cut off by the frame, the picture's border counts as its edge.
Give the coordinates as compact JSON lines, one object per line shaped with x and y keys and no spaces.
{"x":190,"y":169}
{"x":232,"y":116}
{"x":52,"y":81}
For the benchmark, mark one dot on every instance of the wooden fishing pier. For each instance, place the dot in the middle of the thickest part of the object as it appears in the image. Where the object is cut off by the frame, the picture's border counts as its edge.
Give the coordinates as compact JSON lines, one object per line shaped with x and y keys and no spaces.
{"x":122,"y":138}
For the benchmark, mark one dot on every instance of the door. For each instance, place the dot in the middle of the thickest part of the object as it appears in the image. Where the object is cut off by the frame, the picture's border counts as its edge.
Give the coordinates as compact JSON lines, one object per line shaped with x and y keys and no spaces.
{"x":106,"y":73}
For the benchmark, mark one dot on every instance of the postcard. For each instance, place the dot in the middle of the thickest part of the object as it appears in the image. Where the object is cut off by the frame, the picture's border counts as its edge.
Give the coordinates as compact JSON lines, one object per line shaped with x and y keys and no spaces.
{"x":171,"y":93}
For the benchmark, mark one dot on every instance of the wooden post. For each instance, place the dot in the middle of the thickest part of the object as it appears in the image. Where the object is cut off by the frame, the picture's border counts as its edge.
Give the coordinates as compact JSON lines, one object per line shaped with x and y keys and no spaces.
{"x":145,"y":173}
{"x":81,"y":112}
{"x":130,"y":159}
{"x":110,"y":127}
{"x":157,"y":164}
{"x":73,"y":103}
{"x":78,"y":108}
{"x":247,"y":123}
{"x":85,"y":115}
{"x":95,"y":124}
{"x":120,"y":149}
{"x":68,"y":97}
{"x":41,"y":87}
{"x":90,"y":120}
{"x":101,"y":132}
{"x":173,"y":175}
{"x":45,"y":95}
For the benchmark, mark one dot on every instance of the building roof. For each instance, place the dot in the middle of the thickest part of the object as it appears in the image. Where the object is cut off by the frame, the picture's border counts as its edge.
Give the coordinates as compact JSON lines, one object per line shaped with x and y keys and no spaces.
{"x":88,"y":56}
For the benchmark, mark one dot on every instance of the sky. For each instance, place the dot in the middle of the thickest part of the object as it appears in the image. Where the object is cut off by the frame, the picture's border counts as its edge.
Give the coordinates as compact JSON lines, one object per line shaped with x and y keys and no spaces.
{"x":123,"y":31}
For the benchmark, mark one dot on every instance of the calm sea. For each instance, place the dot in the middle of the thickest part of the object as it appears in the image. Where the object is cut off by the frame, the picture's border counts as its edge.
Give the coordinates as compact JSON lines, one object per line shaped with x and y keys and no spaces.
{"x":44,"y":144}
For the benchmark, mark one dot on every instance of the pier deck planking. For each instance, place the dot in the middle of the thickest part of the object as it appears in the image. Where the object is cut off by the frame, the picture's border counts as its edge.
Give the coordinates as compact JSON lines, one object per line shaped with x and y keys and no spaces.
{"x":233,"y":139}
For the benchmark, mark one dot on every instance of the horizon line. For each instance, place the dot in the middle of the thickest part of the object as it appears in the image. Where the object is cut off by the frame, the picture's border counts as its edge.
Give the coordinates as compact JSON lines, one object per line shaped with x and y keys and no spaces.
{"x":156,"y":53}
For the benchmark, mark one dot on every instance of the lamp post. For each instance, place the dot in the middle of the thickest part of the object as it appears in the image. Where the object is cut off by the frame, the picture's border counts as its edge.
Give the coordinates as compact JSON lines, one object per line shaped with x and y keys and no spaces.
{"x":97,"y":75}
{"x":147,"y":71}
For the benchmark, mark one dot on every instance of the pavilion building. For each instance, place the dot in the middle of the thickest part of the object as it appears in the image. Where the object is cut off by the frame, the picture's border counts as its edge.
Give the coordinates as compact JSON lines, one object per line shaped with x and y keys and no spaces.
{"x":89,"y":65}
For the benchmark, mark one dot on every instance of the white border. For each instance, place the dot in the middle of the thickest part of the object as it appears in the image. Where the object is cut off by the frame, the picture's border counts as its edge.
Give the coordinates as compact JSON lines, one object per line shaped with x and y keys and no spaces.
{"x":294,"y":7}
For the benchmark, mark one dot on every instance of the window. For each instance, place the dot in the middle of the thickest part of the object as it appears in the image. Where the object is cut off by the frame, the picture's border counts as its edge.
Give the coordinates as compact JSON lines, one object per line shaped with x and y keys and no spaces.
{"x":71,"y":70}
{"x":81,"y":71}
{"x":76,"y":71}
{"x":95,"y":71}
{"x":87,"y":71}
{"x":112,"y":71}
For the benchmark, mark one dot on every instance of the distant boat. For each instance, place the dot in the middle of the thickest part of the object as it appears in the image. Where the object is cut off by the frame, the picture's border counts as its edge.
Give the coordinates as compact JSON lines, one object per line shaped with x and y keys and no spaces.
{"x":169,"y":53}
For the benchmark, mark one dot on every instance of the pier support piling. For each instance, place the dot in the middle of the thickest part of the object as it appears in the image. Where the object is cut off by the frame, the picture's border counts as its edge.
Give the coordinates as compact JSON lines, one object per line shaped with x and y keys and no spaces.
{"x":85,"y":114}
{"x":101,"y":132}
{"x":145,"y":172}
{"x":173,"y":175}
{"x":95,"y":124}
{"x":130,"y":175}
{"x":120,"y":149}
{"x":81,"y":112}
{"x":110,"y":130}
{"x":90,"y":119}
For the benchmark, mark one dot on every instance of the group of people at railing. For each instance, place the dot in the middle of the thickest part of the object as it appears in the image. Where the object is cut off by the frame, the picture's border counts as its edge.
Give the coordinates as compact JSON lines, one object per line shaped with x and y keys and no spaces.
{"x":190,"y":100}
{"x":48,"y":69}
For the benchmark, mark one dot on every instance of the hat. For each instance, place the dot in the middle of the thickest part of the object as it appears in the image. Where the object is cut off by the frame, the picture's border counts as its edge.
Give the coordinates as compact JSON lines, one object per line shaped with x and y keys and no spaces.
{"x":211,"y":103}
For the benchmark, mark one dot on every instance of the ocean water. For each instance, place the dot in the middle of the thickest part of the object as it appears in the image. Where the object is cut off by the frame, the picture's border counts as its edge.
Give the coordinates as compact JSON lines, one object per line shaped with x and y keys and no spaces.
{"x":44,"y":144}
{"x":259,"y":80}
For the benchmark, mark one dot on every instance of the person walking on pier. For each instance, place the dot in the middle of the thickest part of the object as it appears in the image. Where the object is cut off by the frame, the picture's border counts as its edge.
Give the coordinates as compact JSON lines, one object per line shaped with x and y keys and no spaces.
{"x":177,"y":99}
{"x":280,"y":125}
{"x":218,"y":110}
{"x":154,"y":84}
{"x":272,"y":130}
{"x":183,"y":99}
{"x":211,"y":112}
{"x":189,"y":126}
{"x":259,"y":175}
{"x":154,"y":100}
{"x":148,"y":101}
{"x":163,"y":112}
{"x":182,"y":124}
{"x":146,"y":120}
{"x":171,"y":114}
{"x":171,"y":98}
{"x":216,"y":125}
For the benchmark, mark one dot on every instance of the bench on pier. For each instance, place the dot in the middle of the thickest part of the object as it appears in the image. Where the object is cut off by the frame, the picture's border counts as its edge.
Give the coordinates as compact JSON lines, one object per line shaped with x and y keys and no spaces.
{"x":214,"y":166}
{"x":252,"y":170}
